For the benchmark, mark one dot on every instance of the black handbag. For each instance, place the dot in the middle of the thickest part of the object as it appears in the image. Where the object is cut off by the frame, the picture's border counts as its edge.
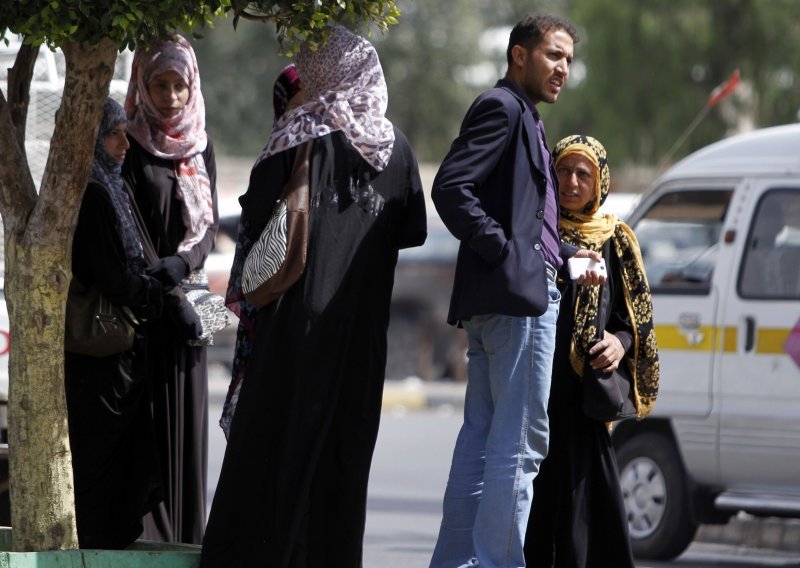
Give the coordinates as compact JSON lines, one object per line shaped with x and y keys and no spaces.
{"x":94,"y":326}
{"x":607,"y":397}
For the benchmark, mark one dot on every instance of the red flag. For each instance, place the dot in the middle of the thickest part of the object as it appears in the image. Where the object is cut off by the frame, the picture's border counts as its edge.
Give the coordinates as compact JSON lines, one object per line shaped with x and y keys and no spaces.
{"x":724,"y":89}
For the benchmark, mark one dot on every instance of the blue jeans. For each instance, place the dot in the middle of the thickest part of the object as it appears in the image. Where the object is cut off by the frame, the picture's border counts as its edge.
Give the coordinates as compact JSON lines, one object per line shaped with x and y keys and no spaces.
{"x":502,"y":441}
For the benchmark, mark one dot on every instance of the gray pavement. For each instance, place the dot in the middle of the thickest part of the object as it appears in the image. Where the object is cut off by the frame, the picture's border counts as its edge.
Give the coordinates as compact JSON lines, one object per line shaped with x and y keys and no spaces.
{"x":743,"y":529}
{"x":413,"y":394}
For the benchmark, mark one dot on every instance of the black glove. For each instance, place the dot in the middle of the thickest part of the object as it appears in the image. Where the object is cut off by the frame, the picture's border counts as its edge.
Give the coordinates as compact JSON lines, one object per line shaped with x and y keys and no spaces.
{"x":170,"y":270}
{"x":183,"y":316}
{"x":154,"y":305}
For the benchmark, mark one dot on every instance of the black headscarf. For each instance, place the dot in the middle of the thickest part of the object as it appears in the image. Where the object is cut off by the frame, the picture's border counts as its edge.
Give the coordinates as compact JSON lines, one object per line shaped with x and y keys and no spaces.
{"x":107,"y":172}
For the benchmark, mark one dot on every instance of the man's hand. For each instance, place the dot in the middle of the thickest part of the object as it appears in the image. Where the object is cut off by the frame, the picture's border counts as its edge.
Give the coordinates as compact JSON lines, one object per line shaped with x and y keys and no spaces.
{"x":591,"y":277}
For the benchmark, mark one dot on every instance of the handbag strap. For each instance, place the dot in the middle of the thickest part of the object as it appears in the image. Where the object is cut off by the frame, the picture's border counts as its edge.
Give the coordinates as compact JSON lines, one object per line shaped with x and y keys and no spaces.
{"x":150,"y":254}
{"x":299,"y":176}
{"x":603,"y":297}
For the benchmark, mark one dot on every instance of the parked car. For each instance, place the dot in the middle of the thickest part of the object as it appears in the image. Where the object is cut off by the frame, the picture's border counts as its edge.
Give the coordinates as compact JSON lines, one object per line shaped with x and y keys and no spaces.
{"x":718,"y":233}
{"x":421,"y":343}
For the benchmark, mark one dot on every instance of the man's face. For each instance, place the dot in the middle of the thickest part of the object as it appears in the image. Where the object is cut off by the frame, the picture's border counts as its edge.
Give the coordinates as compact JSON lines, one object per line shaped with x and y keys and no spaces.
{"x":546,"y":67}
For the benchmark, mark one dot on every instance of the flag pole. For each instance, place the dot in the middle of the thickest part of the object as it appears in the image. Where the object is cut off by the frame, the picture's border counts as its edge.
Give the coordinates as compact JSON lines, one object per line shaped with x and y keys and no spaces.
{"x":716,"y":96}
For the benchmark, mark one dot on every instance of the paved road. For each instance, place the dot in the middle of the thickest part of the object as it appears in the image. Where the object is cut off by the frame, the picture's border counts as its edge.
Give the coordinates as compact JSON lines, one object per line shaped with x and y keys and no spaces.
{"x":409,"y":474}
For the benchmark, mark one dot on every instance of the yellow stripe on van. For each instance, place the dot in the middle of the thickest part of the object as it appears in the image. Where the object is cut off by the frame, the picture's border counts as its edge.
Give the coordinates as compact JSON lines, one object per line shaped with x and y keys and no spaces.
{"x":729,"y":339}
{"x":769,"y":341}
{"x":669,"y":337}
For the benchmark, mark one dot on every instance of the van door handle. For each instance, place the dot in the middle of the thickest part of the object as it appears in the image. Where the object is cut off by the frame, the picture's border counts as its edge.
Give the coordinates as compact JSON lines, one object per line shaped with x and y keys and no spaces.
{"x":689,"y":326}
{"x":749,"y":333}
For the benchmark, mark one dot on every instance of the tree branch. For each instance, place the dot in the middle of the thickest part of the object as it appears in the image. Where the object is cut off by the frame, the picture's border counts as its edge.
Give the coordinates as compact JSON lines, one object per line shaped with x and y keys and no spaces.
{"x":17,"y":190}
{"x":19,"y":88}
{"x":88,"y":76}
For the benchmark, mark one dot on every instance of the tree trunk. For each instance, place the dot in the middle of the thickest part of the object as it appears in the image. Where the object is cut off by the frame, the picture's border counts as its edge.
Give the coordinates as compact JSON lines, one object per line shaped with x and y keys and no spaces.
{"x":42,"y":514}
{"x":38,"y":237}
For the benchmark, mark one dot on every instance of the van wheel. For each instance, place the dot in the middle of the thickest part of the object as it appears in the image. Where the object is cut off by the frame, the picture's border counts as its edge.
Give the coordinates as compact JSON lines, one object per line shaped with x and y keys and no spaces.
{"x":656,"y":494}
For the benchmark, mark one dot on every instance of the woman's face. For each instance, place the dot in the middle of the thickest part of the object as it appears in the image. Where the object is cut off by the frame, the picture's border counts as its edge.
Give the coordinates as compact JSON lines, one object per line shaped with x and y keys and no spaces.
{"x":116,"y":143}
{"x":169,"y":92}
{"x":576,"y":180}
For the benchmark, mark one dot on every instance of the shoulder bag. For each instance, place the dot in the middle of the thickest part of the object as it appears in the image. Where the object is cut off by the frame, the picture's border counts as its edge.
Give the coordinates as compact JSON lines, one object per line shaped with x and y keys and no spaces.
{"x":607,"y":397}
{"x":278,"y":257}
{"x":94,"y":326}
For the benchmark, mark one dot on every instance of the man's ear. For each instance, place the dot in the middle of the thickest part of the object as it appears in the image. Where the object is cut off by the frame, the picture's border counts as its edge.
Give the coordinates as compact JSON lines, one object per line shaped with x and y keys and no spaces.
{"x":519,"y":55}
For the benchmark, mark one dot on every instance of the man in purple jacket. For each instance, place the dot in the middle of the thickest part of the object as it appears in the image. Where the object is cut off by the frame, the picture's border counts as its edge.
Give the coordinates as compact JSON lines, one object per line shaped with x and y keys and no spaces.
{"x":496,"y":193}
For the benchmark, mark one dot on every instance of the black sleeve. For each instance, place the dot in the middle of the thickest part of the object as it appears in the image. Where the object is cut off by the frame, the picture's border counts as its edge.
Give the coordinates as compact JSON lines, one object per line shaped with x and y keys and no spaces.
{"x":413,"y":229}
{"x":267,"y":179}
{"x":619,"y":322}
{"x":98,"y":258}
{"x":471,"y":159}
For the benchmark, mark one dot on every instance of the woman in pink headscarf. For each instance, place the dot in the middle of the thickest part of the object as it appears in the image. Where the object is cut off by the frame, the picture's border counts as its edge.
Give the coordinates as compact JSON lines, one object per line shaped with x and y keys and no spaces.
{"x":171,"y":169}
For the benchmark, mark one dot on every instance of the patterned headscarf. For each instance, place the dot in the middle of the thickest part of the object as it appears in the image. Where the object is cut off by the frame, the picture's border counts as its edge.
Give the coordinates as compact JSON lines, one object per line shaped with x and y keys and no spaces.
{"x":107,"y":172}
{"x":286,"y":86}
{"x":181,"y":138}
{"x":344,"y":90}
{"x":592,"y":230}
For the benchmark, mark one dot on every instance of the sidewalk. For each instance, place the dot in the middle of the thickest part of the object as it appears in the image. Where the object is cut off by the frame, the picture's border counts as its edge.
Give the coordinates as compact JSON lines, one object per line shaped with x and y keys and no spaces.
{"x":415,"y":394}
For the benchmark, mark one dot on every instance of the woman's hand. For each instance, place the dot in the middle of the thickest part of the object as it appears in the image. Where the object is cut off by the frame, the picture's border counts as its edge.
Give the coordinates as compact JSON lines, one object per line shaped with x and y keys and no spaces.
{"x":606,"y":354}
{"x":591,"y":277}
{"x":169,"y":270}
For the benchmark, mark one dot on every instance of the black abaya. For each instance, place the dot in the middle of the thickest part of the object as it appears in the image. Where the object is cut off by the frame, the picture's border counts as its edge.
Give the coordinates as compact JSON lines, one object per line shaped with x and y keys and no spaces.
{"x":293,"y":486}
{"x":179,"y":372}
{"x":115,"y":465}
{"x":578,"y":517}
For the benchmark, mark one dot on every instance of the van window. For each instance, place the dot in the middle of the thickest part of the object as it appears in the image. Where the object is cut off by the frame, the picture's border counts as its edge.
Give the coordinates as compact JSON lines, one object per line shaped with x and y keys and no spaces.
{"x":679,"y":237}
{"x":771,"y":264}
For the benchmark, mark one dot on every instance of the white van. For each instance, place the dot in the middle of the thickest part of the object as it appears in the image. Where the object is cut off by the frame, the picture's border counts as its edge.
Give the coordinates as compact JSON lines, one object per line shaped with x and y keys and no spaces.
{"x":720,"y":237}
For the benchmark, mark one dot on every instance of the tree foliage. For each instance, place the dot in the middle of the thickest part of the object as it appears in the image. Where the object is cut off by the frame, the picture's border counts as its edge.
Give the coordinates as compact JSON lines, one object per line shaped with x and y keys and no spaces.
{"x":307,"y":22}
{"x":642,"y":72}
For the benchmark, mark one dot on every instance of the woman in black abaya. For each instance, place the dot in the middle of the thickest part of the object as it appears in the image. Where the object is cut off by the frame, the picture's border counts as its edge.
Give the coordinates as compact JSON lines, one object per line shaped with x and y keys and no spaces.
{"x":172,"y":171}
{"x":293,"y":486}
{"x":578,"y":517}
{"x":114,"y":461}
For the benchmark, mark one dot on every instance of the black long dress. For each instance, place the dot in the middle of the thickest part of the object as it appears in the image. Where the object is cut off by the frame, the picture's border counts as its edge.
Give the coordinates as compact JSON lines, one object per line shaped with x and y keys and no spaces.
{"x":578,"y":518}
{"x":179,"y":372}
{"x":293,"y":486}
{"x":114,"y":460}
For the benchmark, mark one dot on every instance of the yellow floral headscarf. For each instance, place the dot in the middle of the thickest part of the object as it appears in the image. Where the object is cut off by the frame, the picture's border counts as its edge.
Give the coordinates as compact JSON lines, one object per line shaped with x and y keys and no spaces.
{"x":591,"y":230}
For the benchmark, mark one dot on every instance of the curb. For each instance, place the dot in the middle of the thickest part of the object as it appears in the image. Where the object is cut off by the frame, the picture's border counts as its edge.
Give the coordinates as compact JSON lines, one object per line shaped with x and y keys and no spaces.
{"x":754,"y":532}
{"x":413,"y":393}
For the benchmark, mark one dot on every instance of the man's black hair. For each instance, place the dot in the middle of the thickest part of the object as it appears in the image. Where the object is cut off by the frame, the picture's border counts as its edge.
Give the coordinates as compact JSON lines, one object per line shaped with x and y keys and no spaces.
{"x":530,"y":30}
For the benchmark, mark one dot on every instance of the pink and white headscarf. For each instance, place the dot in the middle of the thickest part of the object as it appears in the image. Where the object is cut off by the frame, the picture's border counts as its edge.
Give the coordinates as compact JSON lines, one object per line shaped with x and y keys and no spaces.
{"x":344,"y":90}
{"x":181,"y":138}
